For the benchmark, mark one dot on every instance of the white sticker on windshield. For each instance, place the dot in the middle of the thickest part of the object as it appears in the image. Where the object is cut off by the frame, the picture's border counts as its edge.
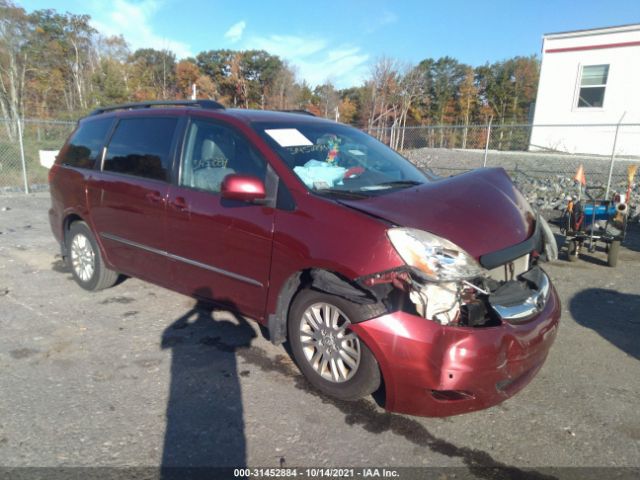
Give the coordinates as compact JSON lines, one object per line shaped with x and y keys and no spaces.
{"x":356,"y":152}
{"x":288,"y":137}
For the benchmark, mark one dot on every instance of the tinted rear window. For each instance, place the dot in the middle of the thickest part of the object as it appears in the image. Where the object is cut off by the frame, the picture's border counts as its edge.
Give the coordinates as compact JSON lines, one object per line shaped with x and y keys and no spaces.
{"x":141,"y":147}
{"x":86,"y":144}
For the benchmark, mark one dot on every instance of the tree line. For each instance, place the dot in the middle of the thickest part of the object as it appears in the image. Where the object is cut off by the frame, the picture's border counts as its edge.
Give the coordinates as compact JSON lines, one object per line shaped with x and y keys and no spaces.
{"x":56,"y":65}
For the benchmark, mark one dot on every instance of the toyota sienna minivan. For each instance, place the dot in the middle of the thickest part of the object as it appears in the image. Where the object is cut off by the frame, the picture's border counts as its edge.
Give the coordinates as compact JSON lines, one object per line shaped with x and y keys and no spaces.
{"x":376,"y":273}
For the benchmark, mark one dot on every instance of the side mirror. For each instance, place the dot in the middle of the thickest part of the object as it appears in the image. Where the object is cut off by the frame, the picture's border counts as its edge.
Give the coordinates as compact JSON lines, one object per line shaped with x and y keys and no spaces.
{"x":245,"y":188}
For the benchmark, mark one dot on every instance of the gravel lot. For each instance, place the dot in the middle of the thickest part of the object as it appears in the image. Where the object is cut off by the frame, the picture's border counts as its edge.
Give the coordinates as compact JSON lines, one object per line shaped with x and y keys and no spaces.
{"x":136,"y":376}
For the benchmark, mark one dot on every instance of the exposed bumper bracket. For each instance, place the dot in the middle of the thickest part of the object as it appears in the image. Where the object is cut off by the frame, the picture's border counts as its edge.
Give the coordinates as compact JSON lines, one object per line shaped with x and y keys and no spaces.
{"x":516,"y":302}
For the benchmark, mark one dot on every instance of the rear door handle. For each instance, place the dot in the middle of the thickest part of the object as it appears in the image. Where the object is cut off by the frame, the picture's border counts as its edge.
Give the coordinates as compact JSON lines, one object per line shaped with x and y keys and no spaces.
{"x":154,"y":197}
{"x":180,"y":204}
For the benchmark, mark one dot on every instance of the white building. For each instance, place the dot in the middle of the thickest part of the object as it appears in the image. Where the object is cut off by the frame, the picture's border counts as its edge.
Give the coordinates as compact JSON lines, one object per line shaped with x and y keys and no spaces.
{"x":589,"y":77}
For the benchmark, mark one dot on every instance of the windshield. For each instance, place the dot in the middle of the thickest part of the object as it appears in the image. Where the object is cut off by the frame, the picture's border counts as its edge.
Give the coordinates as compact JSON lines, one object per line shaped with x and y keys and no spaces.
{"x":339,"y":160}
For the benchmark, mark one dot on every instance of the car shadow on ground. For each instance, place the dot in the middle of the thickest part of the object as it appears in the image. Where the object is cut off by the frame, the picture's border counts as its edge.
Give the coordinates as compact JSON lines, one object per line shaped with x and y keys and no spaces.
{"x":205,"y":424}
{"x":205,"y":418}
{"x":613,"y":315}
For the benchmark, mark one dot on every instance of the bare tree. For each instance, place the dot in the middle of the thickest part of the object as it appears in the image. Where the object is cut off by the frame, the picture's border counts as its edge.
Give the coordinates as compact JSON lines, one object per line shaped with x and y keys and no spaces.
{"x":14,"y":28}
{"x":410,"y":90}
{"x":328,"y":98}
{"x":467,"y":98}
{"x":284,"y":89}
{"x":383,"y":85}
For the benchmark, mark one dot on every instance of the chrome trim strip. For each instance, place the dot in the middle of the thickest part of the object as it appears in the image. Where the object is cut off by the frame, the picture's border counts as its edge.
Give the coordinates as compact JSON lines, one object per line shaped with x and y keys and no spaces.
{"x":115,"y":238}
{"x":188,"y":261}
{"x":102,"y":157}
{"x":211,"y":268}
{"x":532,"y":305}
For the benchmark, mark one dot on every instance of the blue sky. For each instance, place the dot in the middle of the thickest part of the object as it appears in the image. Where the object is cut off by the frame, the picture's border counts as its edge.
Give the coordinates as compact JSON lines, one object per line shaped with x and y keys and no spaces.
{"x":339,"y":40}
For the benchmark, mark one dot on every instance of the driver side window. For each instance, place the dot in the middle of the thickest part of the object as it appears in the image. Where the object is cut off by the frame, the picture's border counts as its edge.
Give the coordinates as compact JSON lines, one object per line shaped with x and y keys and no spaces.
{"x":212,"y":152}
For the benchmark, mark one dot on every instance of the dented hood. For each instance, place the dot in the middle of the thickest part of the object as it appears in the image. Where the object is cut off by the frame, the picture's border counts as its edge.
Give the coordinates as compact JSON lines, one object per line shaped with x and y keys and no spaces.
{"x":481,"y":211}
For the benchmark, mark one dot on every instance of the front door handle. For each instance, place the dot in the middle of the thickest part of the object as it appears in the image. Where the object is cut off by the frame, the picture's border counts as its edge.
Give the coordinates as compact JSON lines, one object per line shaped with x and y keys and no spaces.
{"x":180,"y":204}
{"x":154,"y":197}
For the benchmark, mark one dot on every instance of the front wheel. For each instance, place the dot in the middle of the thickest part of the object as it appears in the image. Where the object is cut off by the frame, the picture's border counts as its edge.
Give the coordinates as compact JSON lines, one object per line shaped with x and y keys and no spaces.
{"x":85,"y":260}
{"x":328,"y":353}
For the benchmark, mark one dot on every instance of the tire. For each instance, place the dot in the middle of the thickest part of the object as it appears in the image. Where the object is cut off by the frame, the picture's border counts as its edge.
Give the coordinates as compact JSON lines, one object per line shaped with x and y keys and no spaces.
{"x":344,"y":367}
{"x":612,"y":256}
{"x":572,"y":250}
{"x":85,"y":260}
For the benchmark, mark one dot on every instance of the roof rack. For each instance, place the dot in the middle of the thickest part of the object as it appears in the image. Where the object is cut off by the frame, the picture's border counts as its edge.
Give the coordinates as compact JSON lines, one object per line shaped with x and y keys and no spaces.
{"x":301,"y":112}
{"x":207,"y":104}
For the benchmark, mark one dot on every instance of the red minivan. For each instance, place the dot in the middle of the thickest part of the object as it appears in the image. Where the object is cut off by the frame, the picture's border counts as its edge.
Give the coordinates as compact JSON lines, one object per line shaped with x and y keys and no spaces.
{"x":376,"y":273}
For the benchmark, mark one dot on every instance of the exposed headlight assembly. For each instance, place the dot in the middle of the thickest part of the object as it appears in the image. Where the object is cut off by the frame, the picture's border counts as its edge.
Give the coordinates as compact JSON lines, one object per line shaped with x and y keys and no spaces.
{"x":438,"y":259}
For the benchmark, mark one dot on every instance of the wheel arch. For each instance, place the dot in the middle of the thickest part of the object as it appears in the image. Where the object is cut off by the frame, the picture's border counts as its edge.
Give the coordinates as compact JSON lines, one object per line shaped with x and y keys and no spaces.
{"x":67,"y":221}
{"x":326,"y":281}
{"x":277,"y":321}
{"x":306,"y":279}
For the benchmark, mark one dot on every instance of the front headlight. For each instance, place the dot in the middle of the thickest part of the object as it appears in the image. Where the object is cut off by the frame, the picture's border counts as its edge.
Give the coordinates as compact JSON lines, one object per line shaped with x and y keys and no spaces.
{"x":437,"y":258}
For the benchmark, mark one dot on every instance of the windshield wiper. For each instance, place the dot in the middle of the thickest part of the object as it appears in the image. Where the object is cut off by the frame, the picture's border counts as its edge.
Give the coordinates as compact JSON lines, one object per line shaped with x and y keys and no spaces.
{"x":396,"y":183}
{"x":342,"y":193}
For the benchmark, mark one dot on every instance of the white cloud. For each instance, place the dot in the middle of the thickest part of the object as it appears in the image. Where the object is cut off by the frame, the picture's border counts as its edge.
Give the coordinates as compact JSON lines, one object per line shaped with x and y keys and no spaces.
{"x":382,"y":20}
{"x":234,"y":33}
{"x":316,"y":60}
{"x":343,"y":66}
{"x":288,"y":46}
{"x":133,"y":21}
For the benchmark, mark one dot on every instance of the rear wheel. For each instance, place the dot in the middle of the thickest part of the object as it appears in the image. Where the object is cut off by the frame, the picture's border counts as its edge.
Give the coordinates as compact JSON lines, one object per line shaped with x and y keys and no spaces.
{"x":328,"y":353}
{"x":612,"y":256}
{"x":85,"y":260}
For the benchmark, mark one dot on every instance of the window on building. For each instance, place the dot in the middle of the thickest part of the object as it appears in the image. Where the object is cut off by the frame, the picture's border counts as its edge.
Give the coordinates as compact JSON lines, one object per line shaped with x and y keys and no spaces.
{"x":141,"y":147}
{"x":593,"y":83}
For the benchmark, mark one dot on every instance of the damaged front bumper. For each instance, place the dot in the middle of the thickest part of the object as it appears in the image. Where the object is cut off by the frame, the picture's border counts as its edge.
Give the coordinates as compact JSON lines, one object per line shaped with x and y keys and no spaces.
{"x":451,"y":347}
{"x":439,"y":370}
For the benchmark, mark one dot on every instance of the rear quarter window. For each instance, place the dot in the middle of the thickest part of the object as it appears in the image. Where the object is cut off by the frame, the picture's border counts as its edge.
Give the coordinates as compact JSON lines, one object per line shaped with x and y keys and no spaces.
{"x":85,"y":145}
{"x":142,"y":147}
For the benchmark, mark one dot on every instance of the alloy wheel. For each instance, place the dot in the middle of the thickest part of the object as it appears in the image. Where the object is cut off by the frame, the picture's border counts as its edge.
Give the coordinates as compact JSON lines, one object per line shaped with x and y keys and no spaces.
{"x":331,"y":349}
{"x":83,"y":258}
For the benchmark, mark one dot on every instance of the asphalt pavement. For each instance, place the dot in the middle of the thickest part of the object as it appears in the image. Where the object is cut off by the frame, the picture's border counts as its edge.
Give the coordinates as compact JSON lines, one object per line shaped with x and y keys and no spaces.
{"x":139,"y":376}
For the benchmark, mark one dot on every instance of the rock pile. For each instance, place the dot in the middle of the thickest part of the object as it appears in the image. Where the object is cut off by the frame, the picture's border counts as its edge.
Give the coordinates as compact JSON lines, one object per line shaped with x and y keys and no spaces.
{"x":546,"y":179}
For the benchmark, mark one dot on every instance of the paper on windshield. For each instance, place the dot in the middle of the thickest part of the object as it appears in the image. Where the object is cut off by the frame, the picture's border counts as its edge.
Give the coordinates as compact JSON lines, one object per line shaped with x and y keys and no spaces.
{"x":288,"y":137}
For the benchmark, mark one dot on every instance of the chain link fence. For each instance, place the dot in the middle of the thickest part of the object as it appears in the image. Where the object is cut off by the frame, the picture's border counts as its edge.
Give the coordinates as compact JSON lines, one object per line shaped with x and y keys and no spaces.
{"x":20,"y":144}
{"x":541,"y":159}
